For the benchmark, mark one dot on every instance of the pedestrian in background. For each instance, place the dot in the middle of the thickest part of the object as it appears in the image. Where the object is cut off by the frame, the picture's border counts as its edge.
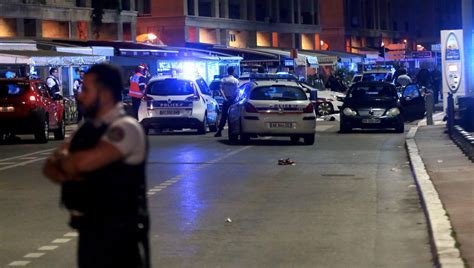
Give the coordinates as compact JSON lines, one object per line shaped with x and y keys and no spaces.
{"x":77,"y":89}
{"x":53,"y":82}
{"x":137,"y":88}
{"x":230,"y":91}
{"x":436,"y":78}
{"x":403,"y":78}
{"x":102,"y":174}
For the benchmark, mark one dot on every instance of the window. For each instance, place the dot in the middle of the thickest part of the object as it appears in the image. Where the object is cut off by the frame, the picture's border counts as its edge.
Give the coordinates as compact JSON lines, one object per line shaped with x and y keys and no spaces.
{"x":9,"y":89}
{"x":411,"y":91}
{"x":373,"y":91}
{"x":203,"y":86}
{"x":191,"y":8}
{"x":143,"y":6}
{"x":281,"y":93}
{"x":43,"y":90}
{"x":171,"y":86}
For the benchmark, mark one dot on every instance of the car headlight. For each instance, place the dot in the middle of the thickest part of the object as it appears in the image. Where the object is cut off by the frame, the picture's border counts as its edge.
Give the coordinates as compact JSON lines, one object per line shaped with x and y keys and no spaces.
{"x":393,"y":112}
{"x":349,"y":112}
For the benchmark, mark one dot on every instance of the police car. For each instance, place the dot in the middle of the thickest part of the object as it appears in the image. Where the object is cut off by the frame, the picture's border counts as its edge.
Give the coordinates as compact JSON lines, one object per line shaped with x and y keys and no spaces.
{"x":178,"y":102}
{"x":273,"y":108}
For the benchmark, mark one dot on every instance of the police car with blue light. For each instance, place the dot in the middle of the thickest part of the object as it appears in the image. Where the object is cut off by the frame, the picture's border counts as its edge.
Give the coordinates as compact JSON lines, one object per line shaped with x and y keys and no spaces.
{"x":178,"y":102}
{"x":273,"y":108}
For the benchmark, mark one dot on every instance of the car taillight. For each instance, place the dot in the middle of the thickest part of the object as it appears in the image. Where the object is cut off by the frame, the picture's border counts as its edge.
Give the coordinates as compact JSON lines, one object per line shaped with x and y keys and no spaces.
{"x":309,"y":108}
{"x":249,"y":108}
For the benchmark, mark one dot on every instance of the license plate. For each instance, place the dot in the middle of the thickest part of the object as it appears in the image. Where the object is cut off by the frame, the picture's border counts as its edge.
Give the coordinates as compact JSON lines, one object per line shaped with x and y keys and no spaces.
{"x":7,"y":109}
{"x":371,"y":121}
{"x":169,"y":112}
{"x":280,"y":125}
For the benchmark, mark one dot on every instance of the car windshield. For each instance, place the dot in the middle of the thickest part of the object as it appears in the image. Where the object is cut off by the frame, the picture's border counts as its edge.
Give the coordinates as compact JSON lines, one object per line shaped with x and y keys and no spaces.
{"x":373,"y":91}
{"x":374,"y":77}
{"x":172,"y":87}
{"x":282,"y":93}
{"x":12,"y":89}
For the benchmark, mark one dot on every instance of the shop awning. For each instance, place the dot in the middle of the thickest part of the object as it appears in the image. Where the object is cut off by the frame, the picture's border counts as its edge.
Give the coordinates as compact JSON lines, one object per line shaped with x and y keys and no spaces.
{"x":343,"y":56}
{"x":247,"y":56}
{"x":49,"y":57}
{"x":300,"y":61}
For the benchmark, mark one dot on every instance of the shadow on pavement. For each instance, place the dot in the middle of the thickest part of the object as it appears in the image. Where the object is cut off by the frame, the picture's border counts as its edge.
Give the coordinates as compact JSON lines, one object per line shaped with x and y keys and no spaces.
{"x":263,"y":142}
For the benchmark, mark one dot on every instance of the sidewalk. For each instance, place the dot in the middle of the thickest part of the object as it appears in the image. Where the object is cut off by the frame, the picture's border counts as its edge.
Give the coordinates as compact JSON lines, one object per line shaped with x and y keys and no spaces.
{"x":453,"y":177}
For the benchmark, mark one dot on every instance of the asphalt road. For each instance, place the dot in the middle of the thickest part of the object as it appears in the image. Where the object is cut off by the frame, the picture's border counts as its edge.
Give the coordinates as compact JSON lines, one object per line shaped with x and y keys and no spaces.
{"x":350,"y":201}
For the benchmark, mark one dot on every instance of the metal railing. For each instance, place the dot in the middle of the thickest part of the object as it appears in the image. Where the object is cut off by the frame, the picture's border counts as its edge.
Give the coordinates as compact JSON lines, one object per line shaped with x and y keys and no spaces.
{"x":464,"y":140}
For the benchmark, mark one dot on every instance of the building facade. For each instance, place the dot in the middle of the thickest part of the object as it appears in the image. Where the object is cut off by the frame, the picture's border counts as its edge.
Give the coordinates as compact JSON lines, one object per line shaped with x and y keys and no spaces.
{"x":234,"y":23}
{"x":354,"y":25}
{"x":67,"y":19}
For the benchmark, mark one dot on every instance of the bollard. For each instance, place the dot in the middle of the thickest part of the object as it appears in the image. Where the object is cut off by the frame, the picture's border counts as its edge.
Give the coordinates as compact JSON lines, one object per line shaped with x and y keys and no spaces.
{"x":429,"y":107}
{"x":450,"y":111}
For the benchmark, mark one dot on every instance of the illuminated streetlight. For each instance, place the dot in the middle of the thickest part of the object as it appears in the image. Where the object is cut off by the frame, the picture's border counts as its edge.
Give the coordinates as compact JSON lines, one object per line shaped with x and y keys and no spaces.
{"x":152,"y":37}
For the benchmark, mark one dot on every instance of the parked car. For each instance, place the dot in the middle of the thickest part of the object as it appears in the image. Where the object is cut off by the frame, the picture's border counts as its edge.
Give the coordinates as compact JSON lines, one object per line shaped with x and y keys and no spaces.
{"x":378,"y":105}
{"x":328,"y":101}
{"x":179,"y":102}
{"x":26,"y":107}
{"x":273,"y":108}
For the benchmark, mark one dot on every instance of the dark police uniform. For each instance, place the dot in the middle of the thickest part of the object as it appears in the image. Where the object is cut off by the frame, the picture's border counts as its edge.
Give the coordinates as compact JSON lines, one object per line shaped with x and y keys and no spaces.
{"x":109,"y":207}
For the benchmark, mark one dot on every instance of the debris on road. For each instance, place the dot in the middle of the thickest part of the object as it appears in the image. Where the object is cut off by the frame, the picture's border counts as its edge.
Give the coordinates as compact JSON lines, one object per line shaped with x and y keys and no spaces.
{"x":286,"y":162}
{"x":395,"y":169}
{"x":228,"y":220}
{"x":440,"y":161}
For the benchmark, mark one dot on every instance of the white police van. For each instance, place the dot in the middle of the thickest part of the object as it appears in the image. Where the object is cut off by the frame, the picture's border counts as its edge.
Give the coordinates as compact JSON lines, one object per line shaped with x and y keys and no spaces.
{"x":178,"y":102}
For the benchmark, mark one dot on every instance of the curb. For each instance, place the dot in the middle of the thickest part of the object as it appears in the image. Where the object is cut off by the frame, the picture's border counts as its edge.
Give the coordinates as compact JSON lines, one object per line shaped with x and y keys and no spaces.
{"x":442,"y":242}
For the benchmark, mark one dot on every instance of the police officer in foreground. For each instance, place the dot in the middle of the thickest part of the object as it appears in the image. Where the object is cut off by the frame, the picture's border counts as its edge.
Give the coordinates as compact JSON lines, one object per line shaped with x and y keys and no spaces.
{"x":102,"y":174}
{"x":230,"y":91}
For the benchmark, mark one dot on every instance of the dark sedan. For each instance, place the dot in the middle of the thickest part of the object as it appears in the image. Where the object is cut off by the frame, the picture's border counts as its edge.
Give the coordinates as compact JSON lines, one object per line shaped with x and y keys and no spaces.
{"x":378,"y":105}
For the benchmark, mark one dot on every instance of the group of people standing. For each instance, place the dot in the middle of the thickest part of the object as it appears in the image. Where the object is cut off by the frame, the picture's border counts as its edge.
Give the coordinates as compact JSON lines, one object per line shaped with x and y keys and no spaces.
{"x":424,"y":77}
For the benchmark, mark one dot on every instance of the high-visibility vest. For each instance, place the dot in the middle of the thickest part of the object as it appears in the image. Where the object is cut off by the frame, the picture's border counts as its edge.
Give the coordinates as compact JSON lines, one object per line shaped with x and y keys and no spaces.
{"x":135,"y":91}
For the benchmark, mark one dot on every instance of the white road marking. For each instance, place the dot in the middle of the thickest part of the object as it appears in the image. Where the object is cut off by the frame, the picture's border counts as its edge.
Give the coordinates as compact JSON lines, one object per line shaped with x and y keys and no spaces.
{"x":71,"y":234}
{"x":151,"y":193}
{"x":48,"y":248}
{"x":19,"y":263}
{"x":173,"y":180}
{"x":166,"y":183}
{"x":25,"y":155}
{"x":323,"y":128}
{"x":155,"y":190}
{"x":34,"y":255}
{"x":160,"y":187}
{"x":22,"y":163}
{"x":61,"y":240}
{"x":7,"y":163}
{"x":28,"y":158}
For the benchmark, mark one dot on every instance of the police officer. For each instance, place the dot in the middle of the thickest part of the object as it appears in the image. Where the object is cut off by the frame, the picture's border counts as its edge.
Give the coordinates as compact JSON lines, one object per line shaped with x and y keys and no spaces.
{"x":102,"y":174}
{"x":230,"y":91}
{"x":137,"y":87}
{"x":53,"y":82}
{"x":77,"y":88}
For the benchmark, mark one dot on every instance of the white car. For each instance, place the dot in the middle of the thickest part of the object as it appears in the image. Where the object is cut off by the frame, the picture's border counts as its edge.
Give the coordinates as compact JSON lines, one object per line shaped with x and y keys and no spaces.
{"x":273,"y":108}
{"x":178,"y":103}
{"x":329,"y":101}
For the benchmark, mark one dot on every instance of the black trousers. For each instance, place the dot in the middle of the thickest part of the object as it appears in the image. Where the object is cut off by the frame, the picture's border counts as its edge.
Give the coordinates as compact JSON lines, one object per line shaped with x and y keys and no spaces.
{"x":136,"y":105}
{"x":113,"y":245}
{"x":225,"y":113}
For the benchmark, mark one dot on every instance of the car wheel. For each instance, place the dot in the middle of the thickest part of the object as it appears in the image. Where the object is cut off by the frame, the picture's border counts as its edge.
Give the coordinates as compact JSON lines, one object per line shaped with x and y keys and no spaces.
{"x":42,"y":130}
{"x":60,"y":133}
{"x":230,"y":134}
{"x":325,"y":108}
{"x":203,"y":127}
{"x":309,"y":139}
{"x":400,"y":128}
{"x":295,"y":139}
{"x":215,"y":126}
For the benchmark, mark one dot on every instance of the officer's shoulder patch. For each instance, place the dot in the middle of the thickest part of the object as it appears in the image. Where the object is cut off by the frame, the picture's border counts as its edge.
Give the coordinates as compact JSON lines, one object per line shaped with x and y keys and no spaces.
{"x":116,"y":134}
